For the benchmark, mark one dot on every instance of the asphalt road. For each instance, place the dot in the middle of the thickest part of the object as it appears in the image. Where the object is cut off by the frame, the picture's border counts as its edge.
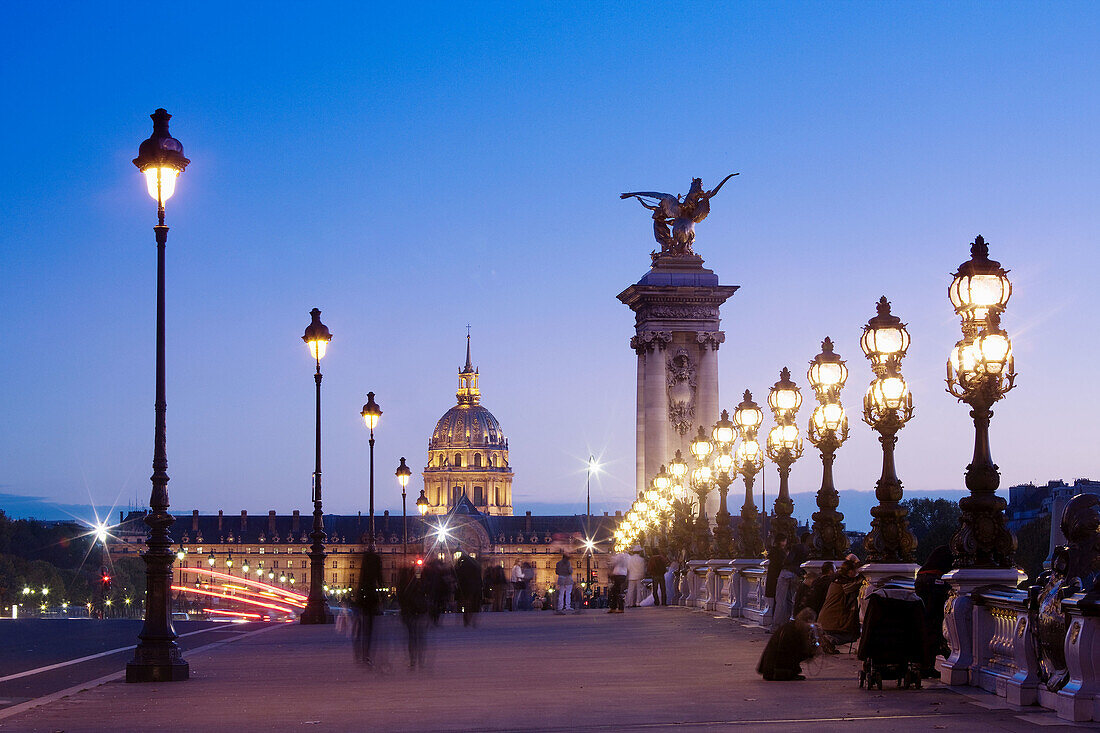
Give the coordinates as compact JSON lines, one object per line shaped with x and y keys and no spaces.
{"x":31,"y":644}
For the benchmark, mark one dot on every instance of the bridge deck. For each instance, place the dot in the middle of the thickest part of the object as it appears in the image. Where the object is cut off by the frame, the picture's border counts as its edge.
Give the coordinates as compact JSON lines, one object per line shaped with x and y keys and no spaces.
{"x":647,"y":669}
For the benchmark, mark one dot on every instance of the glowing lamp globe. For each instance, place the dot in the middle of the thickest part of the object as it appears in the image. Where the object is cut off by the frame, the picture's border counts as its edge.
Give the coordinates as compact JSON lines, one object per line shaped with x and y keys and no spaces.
{"x":701,"y":446}
{"x":828,"y":418}
{"x":888,"y":394}
{"x":317,"y":336}
{"x":161,"y":159}
{"x":980,"y":285}
{"x":371,"y":412}
{"x":662,"y":480}
{"x":884,"y":336}
{"x":827,"y":372}
{"x":748,"y":416}
{"x":677,"y":467}
{"x":784,"y":397}
{"x":403,"y":472}
{"x":724,"y":431}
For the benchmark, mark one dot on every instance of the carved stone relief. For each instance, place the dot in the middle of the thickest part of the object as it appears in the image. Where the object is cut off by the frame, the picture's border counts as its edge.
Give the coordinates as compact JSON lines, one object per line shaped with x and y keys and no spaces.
{"x":678,"y":312}
{"x":647,"y":341}
{"x":710,"y":339}
{"x":680,"y":376}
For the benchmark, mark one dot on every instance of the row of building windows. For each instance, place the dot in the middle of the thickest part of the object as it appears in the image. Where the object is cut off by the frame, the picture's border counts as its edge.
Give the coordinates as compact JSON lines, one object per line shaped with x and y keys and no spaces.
{"x":491,"y":460}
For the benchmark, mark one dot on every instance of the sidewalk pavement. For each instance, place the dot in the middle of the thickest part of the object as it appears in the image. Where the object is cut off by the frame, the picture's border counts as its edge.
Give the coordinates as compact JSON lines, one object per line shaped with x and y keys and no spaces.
{"x":647,"y":669}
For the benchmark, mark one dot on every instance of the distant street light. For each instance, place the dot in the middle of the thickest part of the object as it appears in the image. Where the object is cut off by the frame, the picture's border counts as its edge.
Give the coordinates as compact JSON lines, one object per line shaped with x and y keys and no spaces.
{"x":784,"y":448}
{"x":422,"y":503}
{"x":887,"y":406}
{"x":371,"y":413}
{"x":828,"y":430}
{"x":980,"y":371}
{"x":702,"y":481}
{"x":725,"y":471}
{"x":403,"y":474}
{"x":750,"y":460}
{"x":317,"y":337}
{"x":157,"y":657}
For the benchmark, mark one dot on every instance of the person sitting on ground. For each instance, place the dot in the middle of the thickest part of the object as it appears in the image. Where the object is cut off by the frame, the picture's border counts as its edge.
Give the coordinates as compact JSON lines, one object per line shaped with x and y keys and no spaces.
{"x":839,"y":619}
{"x":791,"y":644}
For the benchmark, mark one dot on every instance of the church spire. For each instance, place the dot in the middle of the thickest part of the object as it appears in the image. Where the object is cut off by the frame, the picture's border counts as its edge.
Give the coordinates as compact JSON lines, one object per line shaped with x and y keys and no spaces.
{"x":468,"y":393}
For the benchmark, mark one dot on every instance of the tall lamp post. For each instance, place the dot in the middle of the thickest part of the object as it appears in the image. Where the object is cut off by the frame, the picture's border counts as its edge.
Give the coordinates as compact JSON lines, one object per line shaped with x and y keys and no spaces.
{"x":371,"y":413}
{"x":317,"y":337}
{"x":784,"y":448}
{"x":702,"y":481}
{"x":157,"y":657}
{"x":828,"y":430}
{"x":887,"y":406}
{"x":725,"y":470}
{"x":750,"y":460}
{"x":403,"y":473}
{"x":422,"y":507}
{"x":592,"y":466}
{"x":980,"y":371}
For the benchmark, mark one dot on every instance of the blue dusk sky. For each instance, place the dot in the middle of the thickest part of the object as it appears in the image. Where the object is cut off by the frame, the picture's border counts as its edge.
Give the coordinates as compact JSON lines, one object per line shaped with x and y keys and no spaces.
{"x":411,"y":170}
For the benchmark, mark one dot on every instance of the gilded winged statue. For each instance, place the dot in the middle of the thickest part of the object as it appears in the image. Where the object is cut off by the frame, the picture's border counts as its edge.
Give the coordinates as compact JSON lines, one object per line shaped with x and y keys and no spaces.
{"x":675,"y":217}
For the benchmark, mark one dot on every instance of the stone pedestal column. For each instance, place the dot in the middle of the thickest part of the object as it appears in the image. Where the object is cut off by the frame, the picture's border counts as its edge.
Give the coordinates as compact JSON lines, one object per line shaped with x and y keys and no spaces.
{"x":676,"y":306}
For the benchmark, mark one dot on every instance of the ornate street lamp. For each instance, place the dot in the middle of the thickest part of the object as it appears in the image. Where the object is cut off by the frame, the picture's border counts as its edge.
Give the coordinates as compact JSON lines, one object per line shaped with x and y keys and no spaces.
{"x":784,"y":448}
{"x":702,"y":481}
{"x":403,"y":473}
{"x":317,"y":337}
{"x":827,"y":431}
{"x":980,"y":371}
{"x":887,"y":406}
{"x":157,"y":657}
{"x":371,"y":413}
{"x":750,"y":460}
{"x":725,"y":470}
{"x":422,"y":503}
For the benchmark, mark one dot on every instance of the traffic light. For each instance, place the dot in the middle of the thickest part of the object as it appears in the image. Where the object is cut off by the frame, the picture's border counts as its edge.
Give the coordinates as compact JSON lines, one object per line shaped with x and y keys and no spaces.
{"x":105,"y":581}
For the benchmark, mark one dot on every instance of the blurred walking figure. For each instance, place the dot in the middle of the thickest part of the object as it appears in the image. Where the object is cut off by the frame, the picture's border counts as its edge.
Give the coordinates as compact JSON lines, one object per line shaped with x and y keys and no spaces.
{"x":435,"y":581}
{"x":635,"y":571}
{"x":617,"y":592}
{"x":498,"y":583}
{"x":412,"y":598}
{"x":564,"y":596}
{"x":518,"y":587}
{"x":468,"y":580}
{"x":528,"y":584}
{"x":655,"y":568}
{"x":367,"y":604}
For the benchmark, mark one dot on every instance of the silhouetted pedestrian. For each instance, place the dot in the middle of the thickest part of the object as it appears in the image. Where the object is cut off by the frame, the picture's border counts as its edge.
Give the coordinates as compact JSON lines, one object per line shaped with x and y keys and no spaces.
{"x":367,"y":604}
{"x":655,"y":568}
{"x":468,"y":580}
{"x":412,"y":599}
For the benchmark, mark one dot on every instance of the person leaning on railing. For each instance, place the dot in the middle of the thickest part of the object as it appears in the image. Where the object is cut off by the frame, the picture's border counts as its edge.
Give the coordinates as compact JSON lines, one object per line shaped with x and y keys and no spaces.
{"x":839,"y":618}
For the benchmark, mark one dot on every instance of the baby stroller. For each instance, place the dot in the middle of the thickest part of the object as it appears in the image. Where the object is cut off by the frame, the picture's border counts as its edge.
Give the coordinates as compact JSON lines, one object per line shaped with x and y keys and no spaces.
{"x":892,"y":643}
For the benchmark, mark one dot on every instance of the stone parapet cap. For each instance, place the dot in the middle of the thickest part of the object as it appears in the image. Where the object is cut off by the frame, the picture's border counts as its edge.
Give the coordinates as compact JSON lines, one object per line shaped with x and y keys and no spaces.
{"x":967,"y":580}
{"x":1082,"y":604}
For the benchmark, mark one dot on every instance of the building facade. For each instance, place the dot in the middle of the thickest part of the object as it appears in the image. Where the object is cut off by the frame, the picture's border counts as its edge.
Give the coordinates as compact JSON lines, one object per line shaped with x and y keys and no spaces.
{"x":468,"y":485}
{"x":468,"y":454}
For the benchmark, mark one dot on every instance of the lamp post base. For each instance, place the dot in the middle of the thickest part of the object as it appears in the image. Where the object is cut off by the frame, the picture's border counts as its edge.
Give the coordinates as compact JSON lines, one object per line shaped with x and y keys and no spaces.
{"x":315,"y":614}
{"x":172,"y":670}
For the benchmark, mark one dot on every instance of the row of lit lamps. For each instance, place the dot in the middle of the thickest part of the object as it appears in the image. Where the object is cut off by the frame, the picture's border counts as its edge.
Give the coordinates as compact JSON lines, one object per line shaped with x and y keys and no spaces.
{"x":980,"y":370}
